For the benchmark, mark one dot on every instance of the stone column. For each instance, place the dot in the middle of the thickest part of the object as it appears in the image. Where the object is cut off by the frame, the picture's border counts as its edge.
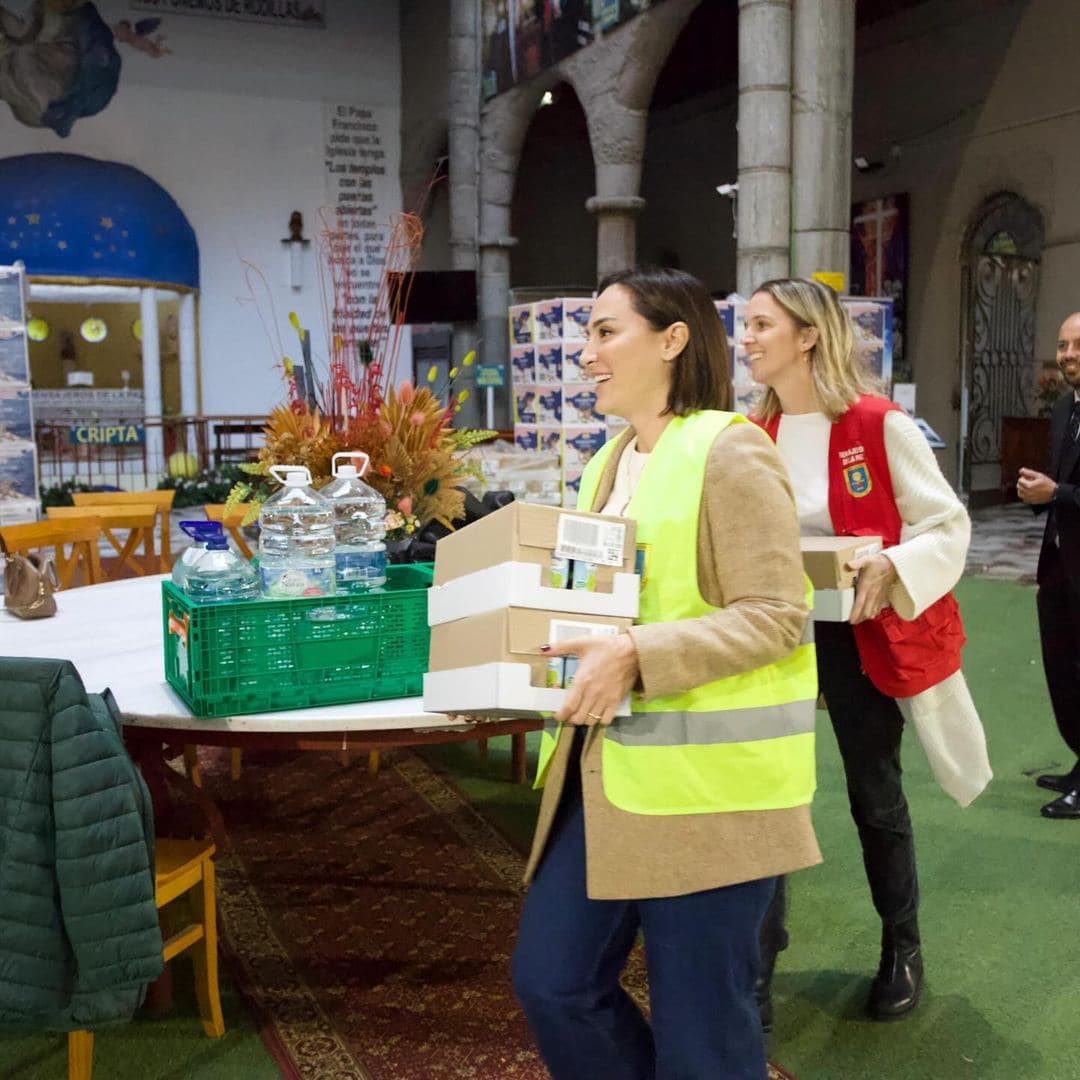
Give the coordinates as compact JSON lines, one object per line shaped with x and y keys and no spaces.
{"x":616,"y":231}
{"x":189,"y":361}
{"x":823,"y":71}
{"x":763,"y":206}
{"x":503,"y":124}
{"x":464,"y":153}
{"x":151,"y":361}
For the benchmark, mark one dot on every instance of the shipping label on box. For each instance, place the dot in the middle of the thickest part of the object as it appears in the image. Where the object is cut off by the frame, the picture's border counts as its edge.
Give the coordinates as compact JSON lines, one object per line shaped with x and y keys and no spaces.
{"x":825,"y":558}
{"x":573,"y":369}
{"x":527,"y":532}
{"x":549,"y":408}
{"x":524,"y":405}
{"x":576,"y":312}
{"x":526,"y":436}
{"x":522,"y":364}
{"x":521,"y":324}
{"x":547,"y":320}
{"x":579,"y":404}
{"x":549,"y":362}
{"x":580,"y":443}
{"x":549,"y":438}
{"x":510,"y":635}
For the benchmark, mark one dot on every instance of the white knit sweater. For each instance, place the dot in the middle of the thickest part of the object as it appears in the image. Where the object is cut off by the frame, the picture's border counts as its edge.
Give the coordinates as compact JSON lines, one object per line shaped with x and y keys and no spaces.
{"x":936,"y":531}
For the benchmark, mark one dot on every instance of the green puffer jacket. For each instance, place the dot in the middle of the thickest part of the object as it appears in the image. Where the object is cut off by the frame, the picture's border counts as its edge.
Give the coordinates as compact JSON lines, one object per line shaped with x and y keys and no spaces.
{"x":79,"y":936}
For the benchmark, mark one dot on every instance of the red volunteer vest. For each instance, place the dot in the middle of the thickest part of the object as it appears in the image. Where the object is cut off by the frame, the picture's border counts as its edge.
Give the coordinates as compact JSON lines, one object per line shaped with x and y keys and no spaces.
{"x":901,"y":657}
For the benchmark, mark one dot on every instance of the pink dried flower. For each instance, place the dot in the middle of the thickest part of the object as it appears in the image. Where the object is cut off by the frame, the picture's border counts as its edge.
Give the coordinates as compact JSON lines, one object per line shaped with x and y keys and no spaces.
{"x":405,"y":505}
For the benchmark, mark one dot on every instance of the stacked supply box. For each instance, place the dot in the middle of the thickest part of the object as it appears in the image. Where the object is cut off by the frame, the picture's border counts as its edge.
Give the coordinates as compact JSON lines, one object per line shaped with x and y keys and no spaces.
{"x":511,"y":582}
{"x":825,"y":560}
{"x":554,"y":399}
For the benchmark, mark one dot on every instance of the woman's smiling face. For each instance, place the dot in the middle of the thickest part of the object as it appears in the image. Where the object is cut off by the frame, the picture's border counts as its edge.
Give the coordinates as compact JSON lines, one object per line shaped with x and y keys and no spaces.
{"x":625,"y":357}
{"x":774,"y":342}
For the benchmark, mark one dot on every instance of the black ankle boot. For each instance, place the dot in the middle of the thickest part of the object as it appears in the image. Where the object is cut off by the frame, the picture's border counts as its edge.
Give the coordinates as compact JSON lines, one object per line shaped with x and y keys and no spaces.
{"x":895,"y":991}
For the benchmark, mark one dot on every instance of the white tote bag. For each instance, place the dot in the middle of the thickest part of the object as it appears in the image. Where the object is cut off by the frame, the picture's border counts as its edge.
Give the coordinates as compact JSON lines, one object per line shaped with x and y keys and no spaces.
{"x":952,"y":736}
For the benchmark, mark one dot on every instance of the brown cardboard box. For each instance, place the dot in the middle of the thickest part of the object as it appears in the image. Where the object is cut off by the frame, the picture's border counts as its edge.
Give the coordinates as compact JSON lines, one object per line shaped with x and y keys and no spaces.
{"x":523,"y":532}
{"x":507,"y":635}
{"x":825,"y":558}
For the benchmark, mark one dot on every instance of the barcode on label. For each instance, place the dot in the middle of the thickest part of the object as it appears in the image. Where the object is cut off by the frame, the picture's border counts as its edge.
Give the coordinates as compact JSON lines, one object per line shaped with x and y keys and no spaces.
{"x":566,"y":630}
{"x":594,"y":541}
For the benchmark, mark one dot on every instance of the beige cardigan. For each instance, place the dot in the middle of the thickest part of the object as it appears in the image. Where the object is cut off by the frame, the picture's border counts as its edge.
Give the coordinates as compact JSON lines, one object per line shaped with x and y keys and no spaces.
{"x":749,"y":566}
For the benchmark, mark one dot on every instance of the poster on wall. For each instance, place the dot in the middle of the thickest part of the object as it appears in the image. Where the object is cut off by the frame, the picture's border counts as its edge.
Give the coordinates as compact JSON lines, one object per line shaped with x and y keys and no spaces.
{"x":879,"y":263}
{"x":362,"y":163}
{"x":18,"y":451}
{"x":305,"y":13}
{"x":521,"y":38}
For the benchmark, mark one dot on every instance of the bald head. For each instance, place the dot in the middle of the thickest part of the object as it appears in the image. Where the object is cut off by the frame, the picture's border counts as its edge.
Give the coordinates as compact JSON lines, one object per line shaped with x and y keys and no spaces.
{"x":1068,"y":350}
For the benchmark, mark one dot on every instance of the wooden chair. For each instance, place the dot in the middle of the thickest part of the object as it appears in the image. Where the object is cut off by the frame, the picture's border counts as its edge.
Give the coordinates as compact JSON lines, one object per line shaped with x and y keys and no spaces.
{"x":138,"y":519}
{"x":216,"y":512}
{"x":180,"y":866}
{"x":162,"y":500}
{"x":80,"y":566}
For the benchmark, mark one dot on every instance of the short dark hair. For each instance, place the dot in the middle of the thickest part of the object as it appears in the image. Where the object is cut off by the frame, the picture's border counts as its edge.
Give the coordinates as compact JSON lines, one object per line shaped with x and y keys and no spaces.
{"x":662,"y":296}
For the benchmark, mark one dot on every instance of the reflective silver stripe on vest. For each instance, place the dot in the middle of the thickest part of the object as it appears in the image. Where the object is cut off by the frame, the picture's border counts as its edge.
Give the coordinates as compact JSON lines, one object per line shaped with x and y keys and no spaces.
{"x":708,"y":728}
{"x":808,"y":631}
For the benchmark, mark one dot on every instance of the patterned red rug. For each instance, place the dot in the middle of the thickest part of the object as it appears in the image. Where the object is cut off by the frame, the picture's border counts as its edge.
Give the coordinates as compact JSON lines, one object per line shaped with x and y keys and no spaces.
{"x":369,"y":921}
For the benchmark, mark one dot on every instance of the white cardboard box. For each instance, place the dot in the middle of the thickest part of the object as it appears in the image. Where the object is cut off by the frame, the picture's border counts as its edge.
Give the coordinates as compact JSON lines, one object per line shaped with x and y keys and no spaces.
{"x":833,"y":605}
{"x":517,"y":584}
{"x":499,"y":690}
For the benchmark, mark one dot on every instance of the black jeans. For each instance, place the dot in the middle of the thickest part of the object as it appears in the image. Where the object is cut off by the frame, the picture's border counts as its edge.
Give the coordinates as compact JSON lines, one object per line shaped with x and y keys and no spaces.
{"x":868,"y":727}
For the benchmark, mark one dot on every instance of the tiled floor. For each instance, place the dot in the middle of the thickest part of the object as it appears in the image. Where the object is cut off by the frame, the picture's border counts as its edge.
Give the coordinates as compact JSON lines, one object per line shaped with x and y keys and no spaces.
{"x":1005,"y":542}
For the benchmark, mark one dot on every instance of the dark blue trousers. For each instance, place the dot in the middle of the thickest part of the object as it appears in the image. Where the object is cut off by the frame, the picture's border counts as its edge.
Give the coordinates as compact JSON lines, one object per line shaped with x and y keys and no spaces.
{"x":701,"y":952}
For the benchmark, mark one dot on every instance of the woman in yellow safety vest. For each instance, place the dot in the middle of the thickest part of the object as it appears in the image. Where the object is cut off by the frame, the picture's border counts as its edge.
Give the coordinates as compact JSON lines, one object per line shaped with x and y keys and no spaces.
{"x":676,"y":820}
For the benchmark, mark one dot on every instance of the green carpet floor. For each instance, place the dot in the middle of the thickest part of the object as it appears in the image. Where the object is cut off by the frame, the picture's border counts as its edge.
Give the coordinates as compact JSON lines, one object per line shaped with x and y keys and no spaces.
{"x":999,"y":888}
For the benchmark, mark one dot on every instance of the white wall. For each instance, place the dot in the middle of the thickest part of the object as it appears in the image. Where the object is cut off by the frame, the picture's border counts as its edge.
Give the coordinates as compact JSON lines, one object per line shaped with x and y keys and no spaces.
{"x":231,"y":125}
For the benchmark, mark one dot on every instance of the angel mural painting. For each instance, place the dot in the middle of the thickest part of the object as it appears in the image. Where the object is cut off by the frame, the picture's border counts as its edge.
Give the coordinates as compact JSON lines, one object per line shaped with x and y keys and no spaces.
{"x":59,"y":61}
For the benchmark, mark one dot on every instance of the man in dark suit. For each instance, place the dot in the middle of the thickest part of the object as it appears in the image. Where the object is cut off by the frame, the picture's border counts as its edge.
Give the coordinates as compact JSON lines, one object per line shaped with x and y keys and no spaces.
{"x":1059,"y":568}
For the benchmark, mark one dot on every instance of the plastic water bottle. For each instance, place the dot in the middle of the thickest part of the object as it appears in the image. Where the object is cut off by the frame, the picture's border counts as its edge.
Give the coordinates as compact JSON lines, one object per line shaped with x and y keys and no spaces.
{"x":219,"y":573}
{"x":200,"y":532}
{"x":296,"y":538}
{"x":359,"y":527}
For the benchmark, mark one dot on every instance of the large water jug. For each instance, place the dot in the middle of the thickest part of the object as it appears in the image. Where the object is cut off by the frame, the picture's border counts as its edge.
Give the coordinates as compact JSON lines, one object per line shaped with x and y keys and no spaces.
{"x":359,"y":526}
{"x":219,"y":574}
{"x":200,"y":532}
{"x":296,"y":538}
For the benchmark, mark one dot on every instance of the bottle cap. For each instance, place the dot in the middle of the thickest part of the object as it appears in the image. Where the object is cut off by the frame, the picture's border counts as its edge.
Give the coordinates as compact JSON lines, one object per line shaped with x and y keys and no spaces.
{"x":217,"y":543}
{"x":291,"y":475}
{"x":202,"y":531}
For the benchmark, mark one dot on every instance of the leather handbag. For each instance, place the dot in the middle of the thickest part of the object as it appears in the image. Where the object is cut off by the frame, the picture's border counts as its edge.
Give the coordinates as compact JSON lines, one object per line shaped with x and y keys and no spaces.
{"x":29,"y":584}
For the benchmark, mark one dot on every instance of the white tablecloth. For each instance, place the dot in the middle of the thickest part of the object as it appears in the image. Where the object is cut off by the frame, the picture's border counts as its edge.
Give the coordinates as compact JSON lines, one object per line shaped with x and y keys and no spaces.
{"x":113,"y":635}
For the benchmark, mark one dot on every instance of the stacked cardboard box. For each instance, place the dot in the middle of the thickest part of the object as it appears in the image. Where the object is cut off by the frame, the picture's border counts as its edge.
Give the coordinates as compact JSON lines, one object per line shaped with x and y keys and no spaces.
{"x":554,"y":400}
{"x":825,"y":560}
{"x":501,"y":591}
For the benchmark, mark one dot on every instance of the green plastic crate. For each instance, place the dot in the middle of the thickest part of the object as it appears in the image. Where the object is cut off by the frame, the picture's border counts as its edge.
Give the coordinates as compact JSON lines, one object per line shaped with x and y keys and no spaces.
{"x":265,"y":655}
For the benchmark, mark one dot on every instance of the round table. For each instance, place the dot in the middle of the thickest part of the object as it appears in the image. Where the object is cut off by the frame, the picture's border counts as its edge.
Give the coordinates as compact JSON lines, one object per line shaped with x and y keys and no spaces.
{"x":113,"y":635}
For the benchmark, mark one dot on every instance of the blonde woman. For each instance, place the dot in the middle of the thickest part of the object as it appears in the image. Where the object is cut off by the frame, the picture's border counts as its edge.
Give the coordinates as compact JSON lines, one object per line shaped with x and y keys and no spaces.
{"x":860,"y":466}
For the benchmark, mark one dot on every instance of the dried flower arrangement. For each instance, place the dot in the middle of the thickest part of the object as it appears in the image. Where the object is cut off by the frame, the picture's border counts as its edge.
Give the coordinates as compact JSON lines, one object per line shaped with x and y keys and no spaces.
{"x":407,"y":432}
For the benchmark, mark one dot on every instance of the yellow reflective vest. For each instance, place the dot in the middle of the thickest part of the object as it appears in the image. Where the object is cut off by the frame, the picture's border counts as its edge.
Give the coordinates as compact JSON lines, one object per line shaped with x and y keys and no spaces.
{"x":744,"y":742}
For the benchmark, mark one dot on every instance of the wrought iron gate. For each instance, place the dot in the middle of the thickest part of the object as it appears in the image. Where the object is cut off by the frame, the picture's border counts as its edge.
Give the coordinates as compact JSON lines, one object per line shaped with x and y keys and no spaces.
{"x":1002,"y":326}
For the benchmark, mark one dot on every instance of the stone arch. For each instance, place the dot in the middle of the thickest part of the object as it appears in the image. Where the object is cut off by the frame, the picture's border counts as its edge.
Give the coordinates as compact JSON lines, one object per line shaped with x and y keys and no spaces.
{"x":691,"y":147}
{"x":555,"y":236}
{"x":1005,"y":214}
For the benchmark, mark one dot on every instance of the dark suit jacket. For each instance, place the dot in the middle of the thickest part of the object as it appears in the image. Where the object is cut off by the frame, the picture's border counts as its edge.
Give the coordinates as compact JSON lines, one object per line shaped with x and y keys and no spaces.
{"x":1065,"y":509}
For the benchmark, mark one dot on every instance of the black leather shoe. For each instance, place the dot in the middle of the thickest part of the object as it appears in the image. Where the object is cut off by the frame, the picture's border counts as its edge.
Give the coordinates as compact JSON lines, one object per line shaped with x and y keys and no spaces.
{"x":898,"y":985}
{"x":1068,"y":806}
{"x":1056,"y":781}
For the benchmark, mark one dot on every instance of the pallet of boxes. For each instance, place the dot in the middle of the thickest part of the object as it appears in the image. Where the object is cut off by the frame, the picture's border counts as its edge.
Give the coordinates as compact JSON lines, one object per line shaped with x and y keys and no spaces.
{"x":511,"y":582}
